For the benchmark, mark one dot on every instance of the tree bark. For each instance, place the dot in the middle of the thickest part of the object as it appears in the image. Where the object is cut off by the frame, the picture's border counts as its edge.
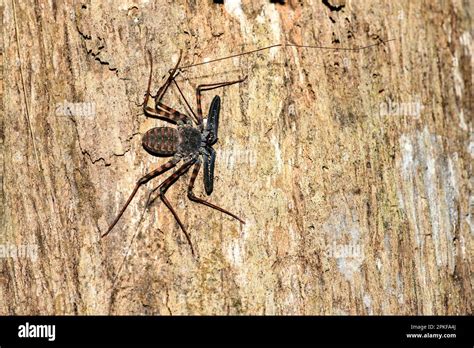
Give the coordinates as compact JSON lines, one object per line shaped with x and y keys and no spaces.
{"x":352,"y":169}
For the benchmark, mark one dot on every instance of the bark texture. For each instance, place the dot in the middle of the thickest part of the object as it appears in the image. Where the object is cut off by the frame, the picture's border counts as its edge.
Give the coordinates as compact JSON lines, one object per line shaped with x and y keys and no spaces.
{"x":351,"y":169}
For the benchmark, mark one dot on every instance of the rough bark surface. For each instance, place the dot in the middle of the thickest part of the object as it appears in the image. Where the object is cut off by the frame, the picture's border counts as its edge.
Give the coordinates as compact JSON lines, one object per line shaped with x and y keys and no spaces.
{"x":352,"y":206}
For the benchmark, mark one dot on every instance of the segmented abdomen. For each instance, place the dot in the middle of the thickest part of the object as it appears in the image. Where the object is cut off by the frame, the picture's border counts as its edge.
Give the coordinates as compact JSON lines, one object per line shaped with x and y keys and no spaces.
{"x":161,"y":141}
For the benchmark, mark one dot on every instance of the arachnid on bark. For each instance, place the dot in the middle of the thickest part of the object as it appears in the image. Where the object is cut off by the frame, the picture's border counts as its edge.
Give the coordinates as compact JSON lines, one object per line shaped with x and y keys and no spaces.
{"x":191,"y":145}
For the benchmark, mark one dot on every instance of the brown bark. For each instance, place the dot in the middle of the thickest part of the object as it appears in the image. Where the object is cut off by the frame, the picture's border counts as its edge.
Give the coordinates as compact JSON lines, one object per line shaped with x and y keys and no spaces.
{"x":351,"y":207}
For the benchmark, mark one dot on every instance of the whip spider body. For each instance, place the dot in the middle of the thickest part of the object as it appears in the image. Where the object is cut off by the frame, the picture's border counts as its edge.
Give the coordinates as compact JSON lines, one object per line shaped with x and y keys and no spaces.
{"x":190,"y":143}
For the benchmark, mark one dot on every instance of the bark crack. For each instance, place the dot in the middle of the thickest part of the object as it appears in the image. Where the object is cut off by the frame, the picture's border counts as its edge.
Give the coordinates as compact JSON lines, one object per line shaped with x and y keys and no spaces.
{"x":167,"y":302}
{"x":333,"y":8}
{"x":100,"y":45}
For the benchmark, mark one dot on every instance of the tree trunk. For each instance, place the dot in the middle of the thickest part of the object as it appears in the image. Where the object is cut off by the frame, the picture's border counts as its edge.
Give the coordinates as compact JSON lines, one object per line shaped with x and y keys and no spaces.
{"x":350,"y":168}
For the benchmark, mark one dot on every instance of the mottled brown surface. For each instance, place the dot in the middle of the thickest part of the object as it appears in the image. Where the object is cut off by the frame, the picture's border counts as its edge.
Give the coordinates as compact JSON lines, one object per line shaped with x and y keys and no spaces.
{"x":306,"y":155}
